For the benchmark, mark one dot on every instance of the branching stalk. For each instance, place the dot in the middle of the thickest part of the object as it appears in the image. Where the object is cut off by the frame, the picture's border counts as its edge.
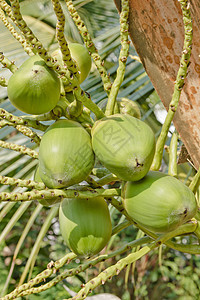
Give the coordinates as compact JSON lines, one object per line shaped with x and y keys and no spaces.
{"x":84,"y":266}
{"x":4,"y":5}
{"x":66,"y":76}
{"x":122,"y":58}
{"x":90,"y":45}
{"x":52,"y":268}
{"x":10,"y":65}
{"x":22,"y":182}
{"x":15,"y":34}
{"x":14,"y":121}
{"x":122,"y":263}
{"x":56,"y":193}
{"x":66,"y":56}
{"x":21,"y":149}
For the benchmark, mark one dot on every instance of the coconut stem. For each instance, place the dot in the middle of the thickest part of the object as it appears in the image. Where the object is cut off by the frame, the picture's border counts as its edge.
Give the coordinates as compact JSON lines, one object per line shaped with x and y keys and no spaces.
{"x":15,"y":34}
{"x":172,"y":168}
{"x":66,"y":76}
{"x":10,"y":119}
{"x":57,"y":193}
{"x":4,"y":5}
{"x":90,"y":263}
{"x":122,"y":263}
{"x":29,"y":133}
{"x":22,"y":182}
{"x":122,"y":58}
{"x":179,"y":83}
{"x":90,"y":45}
{"x":7,"y":63}
{"x":66,"y":56}
{"x":19,"y":148}
{"x":121,"y":226}
{"x":52,"y":268}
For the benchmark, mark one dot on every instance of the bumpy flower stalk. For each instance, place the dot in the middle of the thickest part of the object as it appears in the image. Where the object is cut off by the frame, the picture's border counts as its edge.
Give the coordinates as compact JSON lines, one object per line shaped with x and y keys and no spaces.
{"x":4,"y":5}
{"x":66,"y":56}
{"x":19,"y":148}
{"x":172,"y":168}
{"x":182,"y":72}
{"x":56,"y":193}
{"x":90,"y":263}
{"x":22,"y":182}
{"x":122,"y":263}
{"x":3,"y":82}
{"x":7,"y":63}
{"x":64,"y":74}
{"x":14,"y":120}
{"x":29,"y":133}
{"x":23,"y":129}
{"x":90,"y":45}
{"x":52,"y":268}
{"x":15,"y":34}
{"x":122,"y":58}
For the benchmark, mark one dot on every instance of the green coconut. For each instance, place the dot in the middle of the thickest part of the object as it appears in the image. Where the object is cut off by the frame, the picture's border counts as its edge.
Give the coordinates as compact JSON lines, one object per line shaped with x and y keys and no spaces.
{"x":34,"y":88}
{"x":65,"y":154}
{"x":159,"y":202}
{"x":85,"y":225}
{"x":127,"y":106}
{"x":125,"y":145}
{"x":123,"y":106}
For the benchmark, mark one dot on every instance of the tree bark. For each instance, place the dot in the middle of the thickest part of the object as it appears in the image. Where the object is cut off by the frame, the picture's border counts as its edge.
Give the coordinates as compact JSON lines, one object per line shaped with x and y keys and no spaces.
{"x":157,"y":33}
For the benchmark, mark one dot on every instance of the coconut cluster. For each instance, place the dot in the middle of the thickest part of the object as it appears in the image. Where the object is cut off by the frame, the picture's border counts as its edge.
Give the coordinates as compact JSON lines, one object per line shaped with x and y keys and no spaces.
{"x":122,"y":143}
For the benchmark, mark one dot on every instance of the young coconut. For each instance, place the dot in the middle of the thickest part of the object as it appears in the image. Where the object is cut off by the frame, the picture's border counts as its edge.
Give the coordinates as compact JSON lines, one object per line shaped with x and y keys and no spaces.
{"x":124,"y":145}
{"x":65,"y":154}
{"x":123,"y":106}
{"x":34,"y":88}
{"x":85,"y":225}
{"x":159,"y":202}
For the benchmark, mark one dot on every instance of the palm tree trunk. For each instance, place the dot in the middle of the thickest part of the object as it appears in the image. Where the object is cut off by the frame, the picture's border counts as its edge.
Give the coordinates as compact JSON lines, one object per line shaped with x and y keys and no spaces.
{"x":157,"y":32}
